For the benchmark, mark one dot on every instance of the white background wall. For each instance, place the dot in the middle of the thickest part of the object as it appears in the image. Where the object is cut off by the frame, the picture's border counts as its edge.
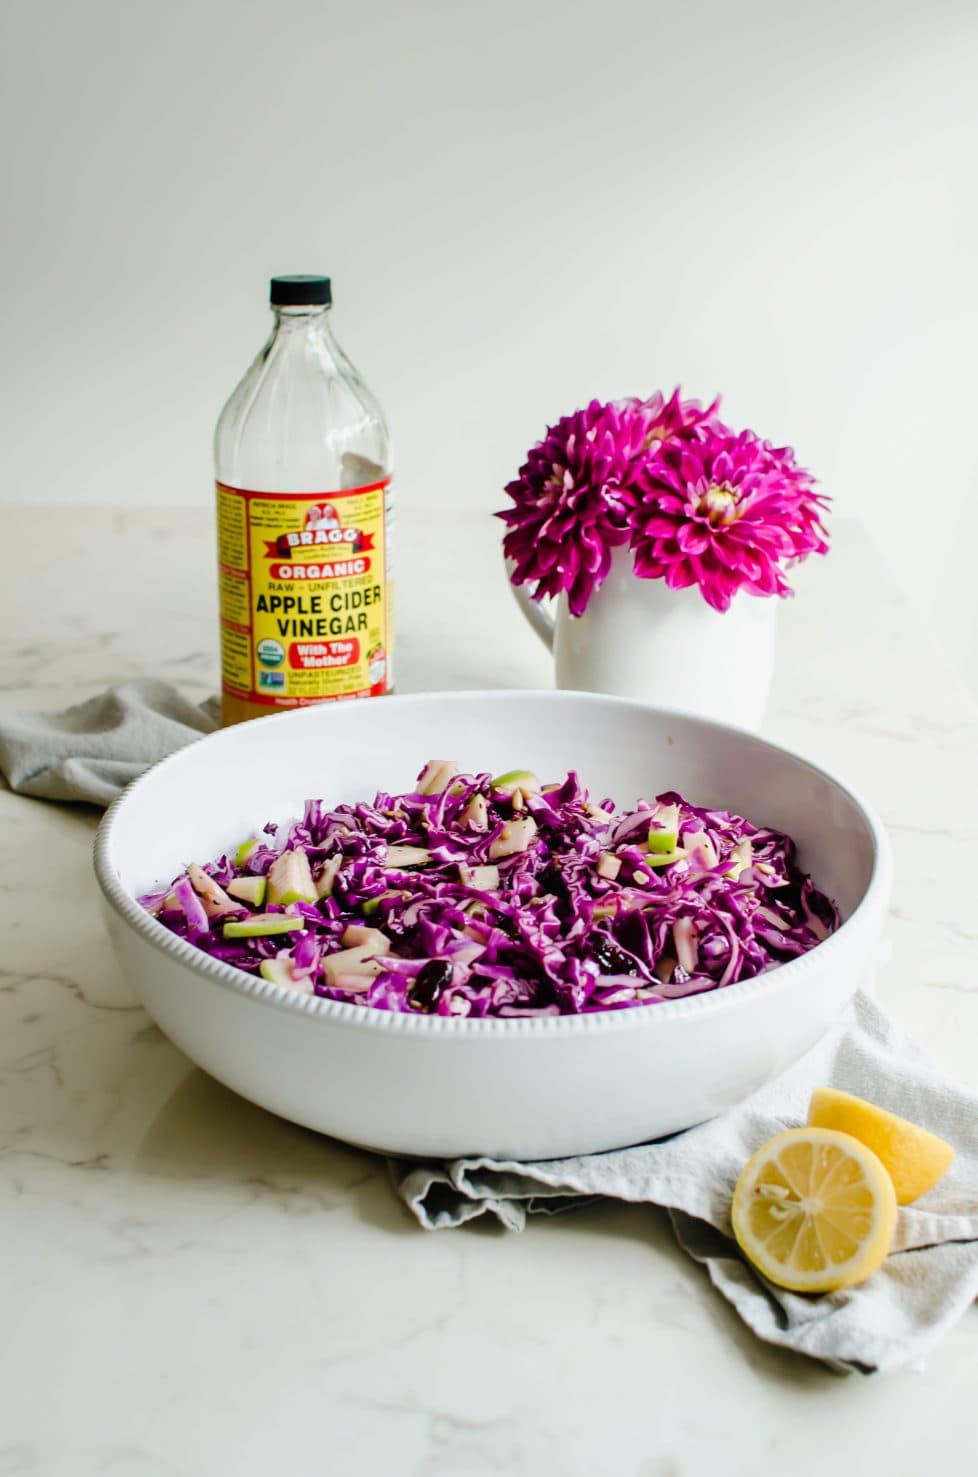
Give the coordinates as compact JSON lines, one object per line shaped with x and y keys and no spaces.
{"x":522,"y":205}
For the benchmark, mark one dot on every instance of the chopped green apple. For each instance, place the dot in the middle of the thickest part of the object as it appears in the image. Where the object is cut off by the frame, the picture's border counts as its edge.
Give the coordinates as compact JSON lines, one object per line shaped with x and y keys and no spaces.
{"x":215,"y":900}
{"x":516,"y":779}
{"x":249,"y":890}
{"x":476,"y":813}
{"x":516,"y":785}
{"x":352,"y":982}
{"x":372,"y":905}
{"x":277,"y":972}
{"x":700,"y":850}
{"x":741,"y":857}
{"x":484,"y":879}
{"x":515,"y":836}
{"x":401,"y":857}
{"x":262,"y":925}
{"x":359,"y":964}
{"x":357,"y":934}
{"x":665,"y":858}
{"x":245,"y":851}
{"x":326,"y":878}
{"x":290,"y":879}
{"x":597,"y":814}
{"x":436,"y":776}
{"x":663,"y":829}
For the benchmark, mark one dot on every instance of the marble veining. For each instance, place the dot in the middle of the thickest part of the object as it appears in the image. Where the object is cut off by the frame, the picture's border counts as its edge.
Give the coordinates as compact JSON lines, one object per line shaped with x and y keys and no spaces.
{"x":192,"y":1287}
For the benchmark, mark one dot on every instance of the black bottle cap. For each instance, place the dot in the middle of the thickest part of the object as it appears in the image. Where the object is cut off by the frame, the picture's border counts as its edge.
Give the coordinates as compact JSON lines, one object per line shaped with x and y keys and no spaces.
{"x":297,"y":292}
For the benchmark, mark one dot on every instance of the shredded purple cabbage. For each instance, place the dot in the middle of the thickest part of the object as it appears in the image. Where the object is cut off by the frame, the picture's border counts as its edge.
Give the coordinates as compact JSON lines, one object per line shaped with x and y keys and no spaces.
{"x":471,"y":896}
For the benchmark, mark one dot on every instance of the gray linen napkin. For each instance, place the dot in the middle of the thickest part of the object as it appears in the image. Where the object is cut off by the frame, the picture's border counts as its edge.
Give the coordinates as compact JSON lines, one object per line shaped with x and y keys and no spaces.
{"x":90,"y":752}
{"x":891,"y":1322}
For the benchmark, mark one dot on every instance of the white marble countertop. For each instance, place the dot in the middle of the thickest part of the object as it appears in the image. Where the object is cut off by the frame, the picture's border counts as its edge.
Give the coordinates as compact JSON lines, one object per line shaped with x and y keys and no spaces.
{"x":191,"y":1286}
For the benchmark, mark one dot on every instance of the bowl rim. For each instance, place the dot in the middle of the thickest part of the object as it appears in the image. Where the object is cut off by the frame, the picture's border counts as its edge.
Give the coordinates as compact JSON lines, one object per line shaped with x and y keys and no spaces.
{"x":369,"y":1018}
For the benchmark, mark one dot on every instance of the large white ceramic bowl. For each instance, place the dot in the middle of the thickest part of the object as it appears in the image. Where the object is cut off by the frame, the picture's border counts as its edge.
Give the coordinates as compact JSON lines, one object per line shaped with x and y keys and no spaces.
{"x":523,"y":1088}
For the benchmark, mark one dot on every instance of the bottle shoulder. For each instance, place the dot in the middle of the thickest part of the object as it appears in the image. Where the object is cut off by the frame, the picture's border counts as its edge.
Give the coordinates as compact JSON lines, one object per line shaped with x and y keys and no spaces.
{"x":301,"y":419}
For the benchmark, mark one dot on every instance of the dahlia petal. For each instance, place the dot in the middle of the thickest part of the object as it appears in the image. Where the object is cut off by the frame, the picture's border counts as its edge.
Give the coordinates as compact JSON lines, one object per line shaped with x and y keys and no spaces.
{"x":692,"y":538}
{"x":660,"y":527}
{"x":690,"y":466}
{"x":679,"y":575}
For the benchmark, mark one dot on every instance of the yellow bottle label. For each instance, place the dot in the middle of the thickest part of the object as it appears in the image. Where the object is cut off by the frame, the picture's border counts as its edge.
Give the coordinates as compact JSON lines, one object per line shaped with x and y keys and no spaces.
{"x":305,"y":594}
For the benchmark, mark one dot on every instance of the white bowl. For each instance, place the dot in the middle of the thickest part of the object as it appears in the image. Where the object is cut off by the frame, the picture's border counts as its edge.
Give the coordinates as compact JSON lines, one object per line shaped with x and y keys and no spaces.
{"x":524,"y":1088}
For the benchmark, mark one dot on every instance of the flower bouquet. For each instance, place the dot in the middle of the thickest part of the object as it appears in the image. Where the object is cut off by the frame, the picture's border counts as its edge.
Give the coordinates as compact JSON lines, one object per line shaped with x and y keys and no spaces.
{"x":696,"y":502}
{"x":651,"y":520}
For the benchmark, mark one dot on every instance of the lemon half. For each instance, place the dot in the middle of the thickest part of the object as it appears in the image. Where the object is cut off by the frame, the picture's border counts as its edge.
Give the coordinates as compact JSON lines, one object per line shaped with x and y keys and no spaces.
{"x":914,"y":1158}
{"x":814,"y":1210}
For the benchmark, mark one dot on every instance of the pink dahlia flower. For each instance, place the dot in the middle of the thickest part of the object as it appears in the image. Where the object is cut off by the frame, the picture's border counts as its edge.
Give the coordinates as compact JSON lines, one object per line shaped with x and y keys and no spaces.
{"x":726,"y":512}
{"x":575,"y":495}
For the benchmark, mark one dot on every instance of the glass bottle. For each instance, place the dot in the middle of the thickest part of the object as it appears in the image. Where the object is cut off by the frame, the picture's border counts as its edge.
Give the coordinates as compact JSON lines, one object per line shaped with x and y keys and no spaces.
{"x":302,"y":458}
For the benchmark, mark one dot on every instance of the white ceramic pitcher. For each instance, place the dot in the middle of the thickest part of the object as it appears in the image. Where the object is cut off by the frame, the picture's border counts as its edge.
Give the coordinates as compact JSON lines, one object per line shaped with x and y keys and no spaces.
{"x":640,"y":639}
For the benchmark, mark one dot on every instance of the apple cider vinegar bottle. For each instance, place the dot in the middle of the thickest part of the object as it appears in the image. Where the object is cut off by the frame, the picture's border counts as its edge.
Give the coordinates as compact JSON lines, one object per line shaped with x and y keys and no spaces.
{"x":304,"y":520}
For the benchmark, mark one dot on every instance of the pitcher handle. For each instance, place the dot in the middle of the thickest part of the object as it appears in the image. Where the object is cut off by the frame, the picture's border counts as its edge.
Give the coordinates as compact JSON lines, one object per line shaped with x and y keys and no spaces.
{"x":539,"y":618}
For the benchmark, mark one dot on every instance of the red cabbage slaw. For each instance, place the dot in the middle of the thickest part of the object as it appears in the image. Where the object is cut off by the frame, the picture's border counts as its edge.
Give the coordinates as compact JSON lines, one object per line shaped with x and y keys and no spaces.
{"x":479,"y":896}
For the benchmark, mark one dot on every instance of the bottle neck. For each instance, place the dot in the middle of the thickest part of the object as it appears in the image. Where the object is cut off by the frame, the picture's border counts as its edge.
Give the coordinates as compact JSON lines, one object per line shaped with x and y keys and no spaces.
{"x":289,"y":320}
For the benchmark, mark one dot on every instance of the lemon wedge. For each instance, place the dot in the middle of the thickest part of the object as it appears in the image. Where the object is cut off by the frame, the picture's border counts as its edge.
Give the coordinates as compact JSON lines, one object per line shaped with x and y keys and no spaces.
{"x":914,"y":1158}
{"x":814,"y":1210}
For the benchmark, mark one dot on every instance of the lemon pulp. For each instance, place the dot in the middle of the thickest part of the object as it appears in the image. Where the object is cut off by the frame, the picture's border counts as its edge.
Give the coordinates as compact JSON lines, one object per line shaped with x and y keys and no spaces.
{"x":814,"y":1210}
